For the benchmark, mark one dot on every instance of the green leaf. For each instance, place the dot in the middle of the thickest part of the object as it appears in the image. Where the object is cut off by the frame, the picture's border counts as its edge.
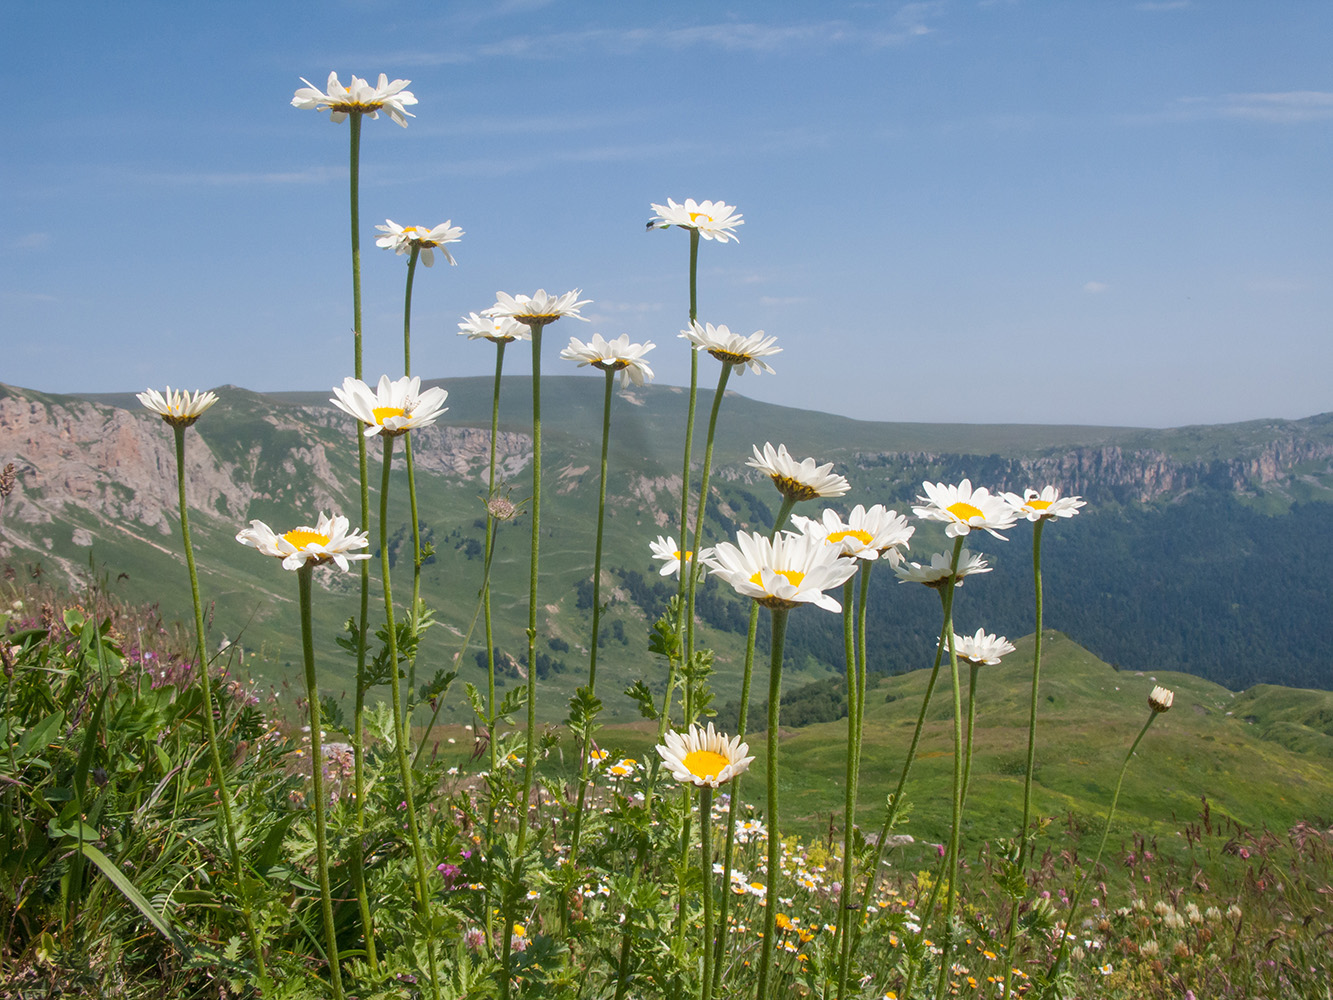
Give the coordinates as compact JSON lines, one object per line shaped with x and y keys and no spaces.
{"x":40,"y":735}
{"x":128,"y":890}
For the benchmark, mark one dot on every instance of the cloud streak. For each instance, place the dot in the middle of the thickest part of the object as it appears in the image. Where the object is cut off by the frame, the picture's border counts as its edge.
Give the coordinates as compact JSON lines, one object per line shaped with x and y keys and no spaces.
{"x":1292,"y":107}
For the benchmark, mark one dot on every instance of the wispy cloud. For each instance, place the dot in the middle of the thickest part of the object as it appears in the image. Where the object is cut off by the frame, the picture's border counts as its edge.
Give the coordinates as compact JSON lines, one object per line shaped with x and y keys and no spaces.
{"x":313,"y":175}
{"x":1275,"y":286}
{"x":908,"y":22}
{"x":1095,"y":287}
{"x":33,"y":241}
{"x":1282,"y":108}
{"x":1159,"y":5}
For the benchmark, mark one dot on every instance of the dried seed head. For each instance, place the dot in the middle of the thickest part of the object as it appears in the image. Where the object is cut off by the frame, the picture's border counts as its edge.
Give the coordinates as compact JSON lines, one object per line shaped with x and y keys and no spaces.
{"x":8,"y":479}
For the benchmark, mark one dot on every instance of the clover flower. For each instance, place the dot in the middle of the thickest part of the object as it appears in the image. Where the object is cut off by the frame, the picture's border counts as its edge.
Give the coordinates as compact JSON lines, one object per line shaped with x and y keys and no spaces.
{"x":538,"y":309}
{"x":937,"y":573}
{"x":797,"y":480}
{"x":713,"y":220}
{"x":357,"y":98}
{"x":732,"y":348}
{"x":704,"y":757}
{"x":330,"y":540}
{"x":401,"y":240}
{"x":962,"y":508}
{"x":1044,"y":505}
{"x":617,"y":355}
{"x":178,"y":408}
{"x":392,"y":408}
{"x":783,"y":572}
{"x":982,"y":648}
{"x":866,"y":534}
{"x":497,"y":329}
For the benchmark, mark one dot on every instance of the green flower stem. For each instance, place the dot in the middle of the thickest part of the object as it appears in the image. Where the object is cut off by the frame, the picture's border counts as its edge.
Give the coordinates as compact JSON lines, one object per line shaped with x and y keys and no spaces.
{"x":210,"y":728}
{"x":584,"y":769}
{"x":684,"y":582}
{"x":971,"y":722}
{"x":896,"y":800}
{"x":359,"y":702}
{"x":706,"y":870}
{"x":530,"y":741}
{"x":955,"y":824}
{"x":400,"y":747}
{"x":486,"y":586}
{"x":414,"y":611}
{"x":1092,"y":870}
{"x":303,"y":576}
{"x":856,"y":708}
{"x":779,"y":616}
{"x":728,"y":852}
{"x":1023,"y":834}
{"x":694,"y":565}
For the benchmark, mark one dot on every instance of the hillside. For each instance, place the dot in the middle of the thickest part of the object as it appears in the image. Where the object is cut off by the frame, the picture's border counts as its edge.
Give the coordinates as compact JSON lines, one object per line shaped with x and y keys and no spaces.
{"x":1196,"y":541}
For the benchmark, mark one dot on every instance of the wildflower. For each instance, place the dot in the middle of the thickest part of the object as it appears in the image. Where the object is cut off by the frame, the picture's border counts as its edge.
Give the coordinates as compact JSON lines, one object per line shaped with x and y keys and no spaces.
{"x":797,"y":480}
{"x":713,"y":220}
{"x":1107,"y":969}
{"x":617,"y":355}
{"x":784,"y":572}
{"x":731,"y":348}
{"x":538,"y":309}
{"x":665,"y":549}
{"x":1161,"y":698}
{"x":519,"y":938}
{"x":596,"y":756}
{"x":179,"y":408}
{"x":982,"y":648}
{"x":1044,"y":505}
{"x":358,"y":98}
{"x":497,"y":329}
{"x":474,"y":938}
{"x":330,"y":540}
{"x":401,"y":240}
{"x":866,"y":534}
{"x":704,"y":757}
{"x":1233,"y":912}
{"x":502,"y":509}
{"x":937,"y":574}
{"x":1149,"y":948}
{"x":392,"y":408}
{"x":962,"y":508}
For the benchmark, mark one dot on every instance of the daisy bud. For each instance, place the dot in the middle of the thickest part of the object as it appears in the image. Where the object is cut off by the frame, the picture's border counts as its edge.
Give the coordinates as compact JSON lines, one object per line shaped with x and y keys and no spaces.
{"x":1161,"y":698}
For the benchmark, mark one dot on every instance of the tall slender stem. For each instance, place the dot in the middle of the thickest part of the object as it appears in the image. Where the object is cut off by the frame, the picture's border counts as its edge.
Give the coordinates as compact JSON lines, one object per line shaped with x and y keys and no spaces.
{"x":584,"y":747}
{"x":779,"y":616}
{"x":529,"y":751}
{"x":856,"y":712}
{"x":303,"y":576}
{"x":414,"y":610}
{"x":706,"y":870}
{"x":486,"y":606}
{"x":955,"y":823}
{"x":400,"y":746}
{"x":694,"y":549}
{"x":1101,"y":846}
{"x":359,"y":701}
{"x":210,"y":728}
{"x":1023,"y":833}
{"x":973,"y":669}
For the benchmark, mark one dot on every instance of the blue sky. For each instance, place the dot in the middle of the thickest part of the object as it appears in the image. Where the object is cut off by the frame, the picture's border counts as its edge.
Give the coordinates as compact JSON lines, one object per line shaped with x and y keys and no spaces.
{"x":1101,"y":212}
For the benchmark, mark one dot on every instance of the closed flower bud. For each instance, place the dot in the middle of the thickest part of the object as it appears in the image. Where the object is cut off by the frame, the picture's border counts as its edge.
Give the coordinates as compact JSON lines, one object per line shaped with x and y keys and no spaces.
{"x":1161,"y":698}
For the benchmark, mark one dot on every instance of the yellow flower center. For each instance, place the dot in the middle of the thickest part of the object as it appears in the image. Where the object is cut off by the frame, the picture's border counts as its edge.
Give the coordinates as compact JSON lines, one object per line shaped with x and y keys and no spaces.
{"x":383,"y":413}
{"x":965,"y":511}
{"x":1039,"y":504}
{"x":696,"y":216}
{"x":794,"y":577}
{"x":688,"y":554}
{"x":861,"y":536}
{"x":301,"y":538}
{"x":705,"y":763}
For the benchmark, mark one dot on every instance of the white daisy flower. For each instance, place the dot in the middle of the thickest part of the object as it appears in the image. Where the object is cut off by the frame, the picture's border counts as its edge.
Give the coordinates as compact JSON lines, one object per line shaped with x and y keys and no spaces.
{"x":665,"y":549}
{"x":497,"y":329}
{"x":703,"y":757}
{"x":713,"y":220}
{"x":790,"y":569}
{"x":617,"y":355}
{"x":731,"y":348}
{"x":1161,"y":698}
{"x":357,"y":98}
{"x":330,"y":540}
{"x":962,"y":508}
{"x":801,"y":480}
{"x":936,"y":574}
{"x":866,"y":534}
{"x":391,"y":408}
{"x":538,"y":309}
{"x":982,"y":648}
{"x":178,"y":408}
{"x":401,"y":240}
{"x":1047,"y":504}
